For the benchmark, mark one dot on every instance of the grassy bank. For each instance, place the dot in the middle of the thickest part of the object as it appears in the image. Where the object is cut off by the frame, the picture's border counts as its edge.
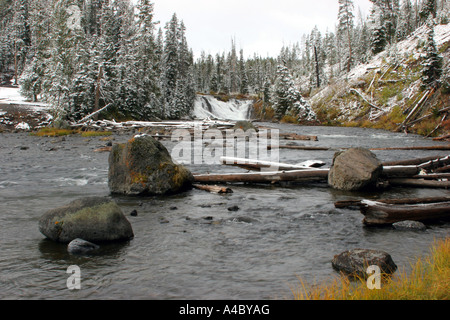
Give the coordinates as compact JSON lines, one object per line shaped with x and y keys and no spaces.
{"x":429,"y":279}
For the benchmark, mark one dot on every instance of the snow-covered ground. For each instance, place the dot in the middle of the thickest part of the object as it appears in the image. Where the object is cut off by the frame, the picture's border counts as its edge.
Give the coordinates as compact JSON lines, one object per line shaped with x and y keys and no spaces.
{"x":208,"y":107}
{"x":16,"y":113}
{"x":10,"y":95}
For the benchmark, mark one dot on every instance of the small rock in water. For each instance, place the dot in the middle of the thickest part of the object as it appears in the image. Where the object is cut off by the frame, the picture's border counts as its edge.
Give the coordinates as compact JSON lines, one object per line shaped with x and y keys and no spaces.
{"x":80,"y":246}
{"x":409,"y":225}
{"x":233,"y":208}
{"x":133,"y":213}
{"x":354,"y":262}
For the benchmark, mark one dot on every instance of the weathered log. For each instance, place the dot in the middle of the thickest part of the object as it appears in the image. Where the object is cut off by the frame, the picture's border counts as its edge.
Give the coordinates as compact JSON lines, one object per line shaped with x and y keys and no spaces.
{"x":442,"y":138}
{"x":399,"y":171}
{"x":420,"y":183}
{"x":298,"y":147}
{"x":409,"y":162}
{"x":416,"y":107}
{"x":365,"y":100}
{"x":213,"y":189}
{"x":403,"y":201}
{"x":294,"y":136}
{"x":441,"y":147}
{"x":377,"y":213}
{"x":443,"y":169}
{"x":264,"y":177}
{"x":432,"y":176}
{"x":252,"y":164}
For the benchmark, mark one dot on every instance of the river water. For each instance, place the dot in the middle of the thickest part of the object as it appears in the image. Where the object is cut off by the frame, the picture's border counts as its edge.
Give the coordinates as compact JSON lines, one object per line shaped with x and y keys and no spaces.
{"x":190,"y":246}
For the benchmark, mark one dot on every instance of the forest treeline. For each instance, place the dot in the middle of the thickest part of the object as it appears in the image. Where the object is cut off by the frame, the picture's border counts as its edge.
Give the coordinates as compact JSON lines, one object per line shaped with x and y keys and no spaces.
{"x":81,"y":56}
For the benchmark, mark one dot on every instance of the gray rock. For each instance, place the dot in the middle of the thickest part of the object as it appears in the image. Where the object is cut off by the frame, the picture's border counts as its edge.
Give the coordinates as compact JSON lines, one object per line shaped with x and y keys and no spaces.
{"x":354,"y":169}
{"x":409,"y":225}
{"x":93,"y":219}
{"x":143,"y":166}
{"x":80,"y":246}
{"x":355,"y":262}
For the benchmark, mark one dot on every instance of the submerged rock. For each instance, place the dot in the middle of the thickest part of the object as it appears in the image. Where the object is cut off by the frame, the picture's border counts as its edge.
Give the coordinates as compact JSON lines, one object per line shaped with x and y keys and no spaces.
{"x":355,"y":262}
{"x":80,"y":246}
{"x":354,"y":169}
{"x":95,"y":219}
{"x":409,"y":225}
{"x":143,"y":166}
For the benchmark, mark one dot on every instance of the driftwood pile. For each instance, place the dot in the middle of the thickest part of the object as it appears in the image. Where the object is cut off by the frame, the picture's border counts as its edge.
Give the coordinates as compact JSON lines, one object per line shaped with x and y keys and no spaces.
{"x":430,"y":172}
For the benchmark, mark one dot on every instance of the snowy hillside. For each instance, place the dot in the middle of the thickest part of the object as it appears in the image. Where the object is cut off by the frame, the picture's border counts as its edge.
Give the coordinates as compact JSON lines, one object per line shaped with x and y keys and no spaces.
{"x":391,"y":82}
{"x":208,"y":107}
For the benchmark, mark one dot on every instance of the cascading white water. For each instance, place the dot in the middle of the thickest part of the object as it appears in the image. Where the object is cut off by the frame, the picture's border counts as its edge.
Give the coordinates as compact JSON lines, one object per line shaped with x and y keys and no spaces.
{"x":208,"y":107}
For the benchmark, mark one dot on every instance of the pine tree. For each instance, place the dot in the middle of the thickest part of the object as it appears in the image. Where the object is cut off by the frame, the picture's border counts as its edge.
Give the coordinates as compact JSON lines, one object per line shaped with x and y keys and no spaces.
{"x":243,"y":74}
{"x":428,"y":10}
{"x":345,"y":27}
{"x":379,"y":38}
{"x":433,"y":62}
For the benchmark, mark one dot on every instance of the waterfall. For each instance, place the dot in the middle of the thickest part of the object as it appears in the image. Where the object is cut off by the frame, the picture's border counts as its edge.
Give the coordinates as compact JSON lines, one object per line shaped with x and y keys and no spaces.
{"x":209,"y":107}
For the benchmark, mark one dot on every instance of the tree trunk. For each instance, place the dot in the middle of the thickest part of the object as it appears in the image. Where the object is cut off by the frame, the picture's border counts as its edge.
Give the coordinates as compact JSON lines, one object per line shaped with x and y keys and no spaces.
{"x":213,"y":189}
{"x":377,"y":213}
{"x":264,"y":177}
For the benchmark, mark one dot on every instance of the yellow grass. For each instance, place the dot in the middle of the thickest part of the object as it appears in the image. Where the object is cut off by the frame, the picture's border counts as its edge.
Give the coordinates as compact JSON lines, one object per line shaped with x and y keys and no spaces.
{"x":429,"y":279}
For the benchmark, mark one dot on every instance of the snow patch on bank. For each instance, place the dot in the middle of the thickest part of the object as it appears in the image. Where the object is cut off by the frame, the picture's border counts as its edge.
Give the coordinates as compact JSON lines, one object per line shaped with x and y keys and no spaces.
{"x":9,"y":95}
{"x":208,"y":107}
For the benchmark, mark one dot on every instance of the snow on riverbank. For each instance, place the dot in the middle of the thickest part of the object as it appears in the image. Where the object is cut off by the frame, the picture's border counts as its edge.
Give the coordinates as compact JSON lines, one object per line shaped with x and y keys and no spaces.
{"x":16,"y":113}
{"x":11,"y":95}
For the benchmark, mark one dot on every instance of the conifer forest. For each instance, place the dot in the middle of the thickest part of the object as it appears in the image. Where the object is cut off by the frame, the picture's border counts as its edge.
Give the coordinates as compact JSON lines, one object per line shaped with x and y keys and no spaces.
{"x":81,"y":56}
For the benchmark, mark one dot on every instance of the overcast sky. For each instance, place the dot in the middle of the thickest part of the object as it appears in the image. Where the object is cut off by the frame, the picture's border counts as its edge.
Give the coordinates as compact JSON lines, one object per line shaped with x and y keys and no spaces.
{"x":260,"y":26}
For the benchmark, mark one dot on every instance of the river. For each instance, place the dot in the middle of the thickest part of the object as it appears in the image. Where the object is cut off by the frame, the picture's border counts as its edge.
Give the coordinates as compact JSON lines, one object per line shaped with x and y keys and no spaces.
{"x":190,"y":246}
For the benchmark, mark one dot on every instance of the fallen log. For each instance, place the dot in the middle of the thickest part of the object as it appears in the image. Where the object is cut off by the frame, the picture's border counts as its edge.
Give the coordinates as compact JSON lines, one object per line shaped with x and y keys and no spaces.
{"x":402,"y":201}
{"x":252,"y":164}
{"x":420,"y":183}
{"x":264,"y":177}
{"x":298,"y":147}
{"x":443,"y":169}
{"x":294,"y":136}
{"x":213,"y":189}
{"x":377,"y":213}
{"x":432,"y":176}
{"x":408,"y":162}
{"x":442,"y":138}
{"x":365,"y":100}
{"x":400,"y":171}
{"x":441,"y":147}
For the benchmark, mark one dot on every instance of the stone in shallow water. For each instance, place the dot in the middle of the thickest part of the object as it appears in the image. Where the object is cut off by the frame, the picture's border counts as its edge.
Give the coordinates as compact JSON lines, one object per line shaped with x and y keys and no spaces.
{"x":80,"y":246}
{"x":409,"y":225}
{"x":95,"y":219}
{"x":355,"y":262}
{"x":143,"y":166}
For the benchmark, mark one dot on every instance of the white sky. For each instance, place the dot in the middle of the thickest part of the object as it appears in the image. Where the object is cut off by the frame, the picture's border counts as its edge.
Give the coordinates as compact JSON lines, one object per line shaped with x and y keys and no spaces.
{"x":258,"y":26}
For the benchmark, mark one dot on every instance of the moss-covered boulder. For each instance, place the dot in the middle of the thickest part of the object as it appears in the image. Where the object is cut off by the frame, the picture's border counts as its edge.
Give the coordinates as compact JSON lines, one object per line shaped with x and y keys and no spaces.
{"x":94,"y":219}
{"x":143,"y":166}
{"x":354,"y":169}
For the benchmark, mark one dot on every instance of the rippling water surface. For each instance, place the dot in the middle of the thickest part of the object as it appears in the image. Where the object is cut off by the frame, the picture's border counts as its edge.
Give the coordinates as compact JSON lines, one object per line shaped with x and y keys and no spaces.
{"x":190,"y":246}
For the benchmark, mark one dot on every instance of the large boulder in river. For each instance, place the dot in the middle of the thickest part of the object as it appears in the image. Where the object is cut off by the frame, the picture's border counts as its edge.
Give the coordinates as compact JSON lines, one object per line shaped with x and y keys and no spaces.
{"x":143,"y":166}
{"x":94,"y":219}
{"x":355,"y":262}
{"x":354,"y":169}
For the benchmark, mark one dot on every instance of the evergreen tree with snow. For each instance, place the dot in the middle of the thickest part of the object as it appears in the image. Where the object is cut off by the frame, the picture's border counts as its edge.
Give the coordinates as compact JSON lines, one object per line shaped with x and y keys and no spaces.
{"x":345,"y":27}
{"x":428,"y":10}
{"x":286,"y":97}
{"x":379,"y":37}
{"x":433,"y":62}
